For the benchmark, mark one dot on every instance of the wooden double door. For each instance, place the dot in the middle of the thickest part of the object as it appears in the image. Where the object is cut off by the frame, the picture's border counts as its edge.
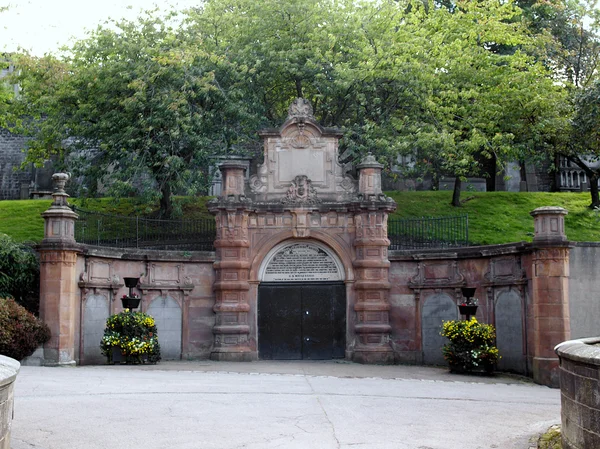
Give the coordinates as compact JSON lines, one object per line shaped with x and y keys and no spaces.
{"x":302,"y":321}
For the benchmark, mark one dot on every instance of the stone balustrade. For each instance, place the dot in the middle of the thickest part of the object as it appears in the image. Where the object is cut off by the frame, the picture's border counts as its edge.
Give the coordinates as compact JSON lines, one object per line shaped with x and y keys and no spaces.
{"x":9,"y":368}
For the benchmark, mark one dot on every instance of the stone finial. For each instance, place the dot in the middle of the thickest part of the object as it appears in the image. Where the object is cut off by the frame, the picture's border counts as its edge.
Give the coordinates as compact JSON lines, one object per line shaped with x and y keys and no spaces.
{"x":233,"y":178}
{"x":59,"y":195}
{"x":59,"y":218}
{"x":549,"y":224}
{"x":300,"y":108}
{"x":369,"y":178}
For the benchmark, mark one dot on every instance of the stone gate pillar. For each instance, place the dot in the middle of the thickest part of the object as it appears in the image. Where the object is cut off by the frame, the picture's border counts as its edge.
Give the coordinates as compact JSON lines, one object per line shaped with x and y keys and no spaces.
{"x":550,"y":292}
{"x":371,"y":267}
{"x":59,"y":291}
{"x":232,"y":266}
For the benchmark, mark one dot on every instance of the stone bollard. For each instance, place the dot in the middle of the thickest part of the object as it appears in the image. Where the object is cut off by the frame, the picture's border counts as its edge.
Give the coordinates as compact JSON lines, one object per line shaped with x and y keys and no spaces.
{"x":9,"y":368}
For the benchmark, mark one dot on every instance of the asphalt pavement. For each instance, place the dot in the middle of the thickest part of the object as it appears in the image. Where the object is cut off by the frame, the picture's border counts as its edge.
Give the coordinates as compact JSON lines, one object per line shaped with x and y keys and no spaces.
{"x":265,"y":405}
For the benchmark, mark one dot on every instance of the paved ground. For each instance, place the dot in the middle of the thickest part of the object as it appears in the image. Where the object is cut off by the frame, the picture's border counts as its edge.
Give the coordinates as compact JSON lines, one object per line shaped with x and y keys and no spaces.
{"x":264,"y":405}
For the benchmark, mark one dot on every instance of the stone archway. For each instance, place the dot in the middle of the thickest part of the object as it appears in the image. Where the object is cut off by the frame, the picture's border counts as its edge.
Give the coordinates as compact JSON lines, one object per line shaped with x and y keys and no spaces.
{"x":301,"y":312}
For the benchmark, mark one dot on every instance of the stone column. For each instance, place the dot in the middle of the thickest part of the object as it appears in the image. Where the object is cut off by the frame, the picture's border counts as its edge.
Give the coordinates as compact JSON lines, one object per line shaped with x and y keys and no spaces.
{"x":550,"y":293}
{"x":232,"y":267}
{"x":59,"y":291}
{"x":371,"y":267}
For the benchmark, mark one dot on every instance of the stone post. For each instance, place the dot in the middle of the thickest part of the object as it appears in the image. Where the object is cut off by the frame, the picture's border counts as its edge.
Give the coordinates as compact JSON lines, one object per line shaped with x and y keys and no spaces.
{"x":371,"y":267}
{"x":233,"y":178}
{"x":550,"y":292}
{"x":232,"y":266}
{"x":58,"y":284}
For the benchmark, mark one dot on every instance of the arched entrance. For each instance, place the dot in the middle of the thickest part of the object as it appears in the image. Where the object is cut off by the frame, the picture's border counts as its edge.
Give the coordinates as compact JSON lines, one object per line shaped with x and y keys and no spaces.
{"x":301,"y":303}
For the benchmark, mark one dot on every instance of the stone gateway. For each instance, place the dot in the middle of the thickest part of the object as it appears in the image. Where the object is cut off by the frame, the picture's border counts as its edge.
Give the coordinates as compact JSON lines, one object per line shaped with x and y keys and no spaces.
{"x":302,"y":219}
{"x":302,"y":270}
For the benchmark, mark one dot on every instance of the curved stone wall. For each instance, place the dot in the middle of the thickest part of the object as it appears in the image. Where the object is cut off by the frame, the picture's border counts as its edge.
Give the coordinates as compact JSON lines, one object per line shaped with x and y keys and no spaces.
{"x":9,"y":369}
{"x":580,"y":392}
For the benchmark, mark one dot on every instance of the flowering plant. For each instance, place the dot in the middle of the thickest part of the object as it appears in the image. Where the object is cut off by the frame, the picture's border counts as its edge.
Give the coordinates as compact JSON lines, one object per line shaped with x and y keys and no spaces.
{"x":134,"y":333}
{"x":133,"y":295}
{"x":470,"y":302}
{"x":471,"y":345}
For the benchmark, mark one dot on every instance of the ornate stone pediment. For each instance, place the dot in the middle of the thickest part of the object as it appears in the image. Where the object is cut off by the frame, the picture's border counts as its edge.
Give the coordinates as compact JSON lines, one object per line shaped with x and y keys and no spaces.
{"x":300,"y":147}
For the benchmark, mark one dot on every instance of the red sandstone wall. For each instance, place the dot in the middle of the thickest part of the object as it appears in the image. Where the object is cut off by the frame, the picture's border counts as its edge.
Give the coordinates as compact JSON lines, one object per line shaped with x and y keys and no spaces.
{"x":188,"y":279}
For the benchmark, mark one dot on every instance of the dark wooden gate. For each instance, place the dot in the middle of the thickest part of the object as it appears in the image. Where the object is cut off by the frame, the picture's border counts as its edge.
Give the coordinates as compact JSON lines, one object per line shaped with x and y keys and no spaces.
{"x":302,"y":321}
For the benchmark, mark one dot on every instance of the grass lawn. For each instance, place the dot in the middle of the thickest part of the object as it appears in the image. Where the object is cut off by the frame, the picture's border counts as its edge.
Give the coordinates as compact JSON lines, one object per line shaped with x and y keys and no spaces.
{"x":503,"y":217}
{"x":494,"y":217}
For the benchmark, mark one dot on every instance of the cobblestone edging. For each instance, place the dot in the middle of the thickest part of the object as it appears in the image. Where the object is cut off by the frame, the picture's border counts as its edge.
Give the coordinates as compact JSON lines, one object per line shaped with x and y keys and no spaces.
{"x":9,"y":368}
{"x":580,"y":392}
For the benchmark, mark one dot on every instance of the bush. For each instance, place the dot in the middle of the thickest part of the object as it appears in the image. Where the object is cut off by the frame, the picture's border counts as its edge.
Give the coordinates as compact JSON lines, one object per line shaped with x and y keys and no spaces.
{"x":471,"y":346}
{"x":19,"y":274}
{"x":20,"y":331}
{"x":134,"y":333}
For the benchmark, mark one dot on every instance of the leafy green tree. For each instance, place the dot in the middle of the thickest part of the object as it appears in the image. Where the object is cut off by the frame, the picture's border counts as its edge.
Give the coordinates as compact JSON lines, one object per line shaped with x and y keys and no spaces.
{"x":478,"y":102}
{"x":399,"y":77}
{"x":137,"y":106}
{"x":584,"y":147}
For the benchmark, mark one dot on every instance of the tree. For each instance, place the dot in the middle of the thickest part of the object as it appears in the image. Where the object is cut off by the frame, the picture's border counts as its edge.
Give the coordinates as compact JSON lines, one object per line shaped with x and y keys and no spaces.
{"x":584,"y":147}
{"x":399,"y":77}
{"x":573,"y":53}
{"x":137,"y":106}
{"x":478,"y":102}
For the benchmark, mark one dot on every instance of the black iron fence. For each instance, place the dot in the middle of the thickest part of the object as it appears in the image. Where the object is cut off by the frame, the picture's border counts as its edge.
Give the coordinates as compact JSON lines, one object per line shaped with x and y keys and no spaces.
{"x":428,"y":232}
{"x":97,"y":229}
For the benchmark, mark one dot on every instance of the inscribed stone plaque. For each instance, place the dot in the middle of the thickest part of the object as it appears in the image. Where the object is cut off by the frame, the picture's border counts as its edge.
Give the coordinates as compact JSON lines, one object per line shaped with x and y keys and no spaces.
{"x":302,"y":262}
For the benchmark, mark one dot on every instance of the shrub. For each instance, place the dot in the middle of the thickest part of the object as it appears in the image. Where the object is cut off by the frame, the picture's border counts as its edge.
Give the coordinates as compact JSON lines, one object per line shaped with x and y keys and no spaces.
{"x":134,"y":333}
{"x":19,"y":274}
{"x":471,"y":346}
{"x":20,"y":331}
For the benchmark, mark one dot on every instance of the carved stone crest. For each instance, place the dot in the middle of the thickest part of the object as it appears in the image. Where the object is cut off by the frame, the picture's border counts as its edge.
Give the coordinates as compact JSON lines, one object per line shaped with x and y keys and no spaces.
{"x":300,"y":108}
{"x":301,"y":192}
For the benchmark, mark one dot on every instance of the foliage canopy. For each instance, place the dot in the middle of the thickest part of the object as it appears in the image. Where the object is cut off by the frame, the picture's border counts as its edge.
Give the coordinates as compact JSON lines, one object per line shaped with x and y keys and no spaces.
{"x":142,"y":106}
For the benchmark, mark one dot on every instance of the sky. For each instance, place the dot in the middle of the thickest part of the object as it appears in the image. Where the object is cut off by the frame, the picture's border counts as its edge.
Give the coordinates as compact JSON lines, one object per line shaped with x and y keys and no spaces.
{"x":42,"y":26}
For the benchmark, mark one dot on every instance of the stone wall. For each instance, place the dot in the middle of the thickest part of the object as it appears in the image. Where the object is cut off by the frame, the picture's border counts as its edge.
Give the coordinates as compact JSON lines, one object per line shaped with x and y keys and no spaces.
{"x":176,"y":288}
{"x":11,"y":157}
{"x":584,"y":283}
{"x":426,"y":290}
{"x":580,"y":393}
{"x":9,"y":368}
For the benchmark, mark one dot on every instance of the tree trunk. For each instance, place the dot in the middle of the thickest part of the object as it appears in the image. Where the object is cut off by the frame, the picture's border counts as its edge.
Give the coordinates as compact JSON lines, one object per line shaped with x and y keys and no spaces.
{"x":593,"y":179}
{"x":456,"y":193}
{"x":166,"y":205}
{"x":592,"y":175}
{"x":299,"y":88}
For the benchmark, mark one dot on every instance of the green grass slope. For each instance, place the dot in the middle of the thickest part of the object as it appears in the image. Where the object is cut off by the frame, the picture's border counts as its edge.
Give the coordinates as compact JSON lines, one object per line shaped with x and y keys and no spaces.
{"x":494,"y":217}
{"x":502,"y":217}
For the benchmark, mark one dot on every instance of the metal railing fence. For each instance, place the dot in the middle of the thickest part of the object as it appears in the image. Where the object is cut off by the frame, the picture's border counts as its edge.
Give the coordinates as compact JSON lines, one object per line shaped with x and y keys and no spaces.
{"x":428,"y":232}
{"x":98,"y":229}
